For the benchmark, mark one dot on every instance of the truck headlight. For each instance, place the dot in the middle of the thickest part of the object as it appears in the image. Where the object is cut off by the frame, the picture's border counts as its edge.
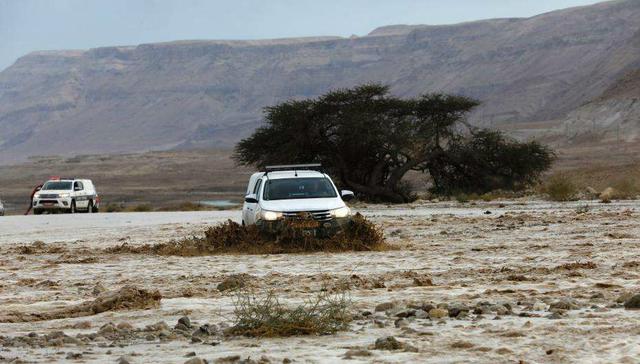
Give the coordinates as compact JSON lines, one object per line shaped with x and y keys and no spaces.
{"x":64,"y":195}
{"x":270,"y":215}
{"x":341,"y":212}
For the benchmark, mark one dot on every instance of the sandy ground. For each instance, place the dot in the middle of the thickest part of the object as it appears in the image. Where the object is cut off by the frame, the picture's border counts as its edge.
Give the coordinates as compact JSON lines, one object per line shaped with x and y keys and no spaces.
{"x":540,"y":282}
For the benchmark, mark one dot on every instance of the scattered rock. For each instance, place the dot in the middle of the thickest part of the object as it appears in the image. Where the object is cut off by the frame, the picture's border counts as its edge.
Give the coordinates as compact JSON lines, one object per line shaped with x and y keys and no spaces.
{"x":539,"y":306}
{"x":123,"y":360}
{"x":158,"y":326}
{"x":74,"y":356}
{"x":385,"y":306}
{"x":124,"y":326}
{"x":406,"y":313}
{"x":181,"y":327}
{"x":388,"y":343}
{"x":195,"y":360}
{"x":563,"y":304}
{"x":633,"y":303}
{"x":350,"y":354}
{"x":421,"y":314}
{"x":438,"y":313}
{"x":185,"y":321}
{"x":607,"y":195}
{"x":455,"y":309}
{"x":624,"y":297}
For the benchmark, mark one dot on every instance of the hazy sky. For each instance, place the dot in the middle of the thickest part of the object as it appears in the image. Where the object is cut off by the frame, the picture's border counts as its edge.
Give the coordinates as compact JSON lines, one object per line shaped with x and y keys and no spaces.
{"x":29,"y":25}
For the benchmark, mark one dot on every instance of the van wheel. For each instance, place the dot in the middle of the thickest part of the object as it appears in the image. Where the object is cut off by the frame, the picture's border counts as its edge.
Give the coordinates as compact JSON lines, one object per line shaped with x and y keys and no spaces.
{"x":90,"y":207}
{"x":72,"y":210}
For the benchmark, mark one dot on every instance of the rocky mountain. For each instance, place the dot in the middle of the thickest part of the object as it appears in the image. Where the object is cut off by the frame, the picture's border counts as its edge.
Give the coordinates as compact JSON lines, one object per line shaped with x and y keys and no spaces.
{"x":613,"y":117}
{"x":211,"y":93}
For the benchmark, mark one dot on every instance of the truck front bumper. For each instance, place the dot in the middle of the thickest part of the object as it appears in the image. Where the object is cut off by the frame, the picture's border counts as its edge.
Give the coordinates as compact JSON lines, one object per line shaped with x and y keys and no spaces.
{"x":305,"y":227}
{"x":52,"y":203}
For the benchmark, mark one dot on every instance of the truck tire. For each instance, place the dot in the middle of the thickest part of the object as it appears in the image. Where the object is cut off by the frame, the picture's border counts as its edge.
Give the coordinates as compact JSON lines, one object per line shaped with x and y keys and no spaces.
{"x":90,"y":207}
{"x":72,"y":208}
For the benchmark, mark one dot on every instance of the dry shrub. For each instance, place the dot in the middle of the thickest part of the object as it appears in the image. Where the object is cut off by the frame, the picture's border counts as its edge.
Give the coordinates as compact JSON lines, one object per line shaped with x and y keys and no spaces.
{"x":230,"y":237}
{"x":266,"y":316}
{"x":114,"y":208}
{"x":140,"y":208}
{"x":560,"y":188}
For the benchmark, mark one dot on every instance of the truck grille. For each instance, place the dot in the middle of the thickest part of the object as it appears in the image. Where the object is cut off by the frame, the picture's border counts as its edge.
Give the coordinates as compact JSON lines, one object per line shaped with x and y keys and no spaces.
{"x":322,"y":216}
{"x":55,"y":202}
{"x":49,"y":196}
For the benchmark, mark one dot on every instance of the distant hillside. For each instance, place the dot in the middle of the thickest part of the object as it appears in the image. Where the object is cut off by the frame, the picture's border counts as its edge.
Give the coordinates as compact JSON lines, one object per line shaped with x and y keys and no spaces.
{"x":210,"y":93}
{"x":613,"y":117}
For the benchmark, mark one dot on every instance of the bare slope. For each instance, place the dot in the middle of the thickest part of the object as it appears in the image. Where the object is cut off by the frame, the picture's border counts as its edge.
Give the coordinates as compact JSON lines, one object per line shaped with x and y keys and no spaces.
{"x":210,"y":93}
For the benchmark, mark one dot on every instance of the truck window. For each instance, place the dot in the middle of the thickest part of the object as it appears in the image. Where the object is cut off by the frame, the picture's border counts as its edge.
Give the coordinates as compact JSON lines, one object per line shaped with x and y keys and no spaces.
{"x":257,"y":188}
{"x":78,"y":186}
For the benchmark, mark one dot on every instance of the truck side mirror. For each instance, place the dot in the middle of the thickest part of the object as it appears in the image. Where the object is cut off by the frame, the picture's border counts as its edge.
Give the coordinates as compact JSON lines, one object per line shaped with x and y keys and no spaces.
{"x":252,"y":198}
{"x":347,"y":195}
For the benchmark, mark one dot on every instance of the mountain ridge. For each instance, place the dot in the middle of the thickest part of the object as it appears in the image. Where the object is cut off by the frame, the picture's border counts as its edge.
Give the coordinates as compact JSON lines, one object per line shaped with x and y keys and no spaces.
{"x":202,"y":93}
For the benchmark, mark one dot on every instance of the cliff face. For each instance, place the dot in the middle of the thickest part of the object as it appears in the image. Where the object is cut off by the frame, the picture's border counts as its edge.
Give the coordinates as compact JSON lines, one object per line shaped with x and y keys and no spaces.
{"x":211,"y":93}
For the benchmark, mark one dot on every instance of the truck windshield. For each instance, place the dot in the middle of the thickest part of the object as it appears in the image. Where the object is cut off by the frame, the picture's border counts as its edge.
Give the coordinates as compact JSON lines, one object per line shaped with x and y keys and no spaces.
{"x":57,"y":186}
{"x":295,"y":188}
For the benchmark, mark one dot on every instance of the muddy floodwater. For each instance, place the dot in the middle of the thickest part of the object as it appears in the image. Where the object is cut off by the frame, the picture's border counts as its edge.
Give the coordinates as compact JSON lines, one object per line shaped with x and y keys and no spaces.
{"x":510,"y":281}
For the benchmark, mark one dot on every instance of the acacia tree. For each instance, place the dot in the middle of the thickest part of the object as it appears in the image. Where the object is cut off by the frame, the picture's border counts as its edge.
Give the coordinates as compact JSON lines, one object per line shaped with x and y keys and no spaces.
{"x":368,"y":139}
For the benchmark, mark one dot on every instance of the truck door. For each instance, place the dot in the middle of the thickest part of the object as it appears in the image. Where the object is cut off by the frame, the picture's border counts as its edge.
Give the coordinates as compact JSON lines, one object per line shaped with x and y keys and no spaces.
{"x":249,"y":209}
{"x":82,"y":200}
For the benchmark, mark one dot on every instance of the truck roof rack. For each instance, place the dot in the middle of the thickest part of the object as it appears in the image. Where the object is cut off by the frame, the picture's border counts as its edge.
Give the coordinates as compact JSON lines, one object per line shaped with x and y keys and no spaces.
{"x":294,"y":167}
{"x":58,"y":178}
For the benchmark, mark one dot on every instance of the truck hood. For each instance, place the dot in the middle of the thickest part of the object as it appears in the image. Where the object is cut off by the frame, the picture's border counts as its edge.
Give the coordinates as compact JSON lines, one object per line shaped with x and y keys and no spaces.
{"x":308,"y":204}
{"x":52,"y":192}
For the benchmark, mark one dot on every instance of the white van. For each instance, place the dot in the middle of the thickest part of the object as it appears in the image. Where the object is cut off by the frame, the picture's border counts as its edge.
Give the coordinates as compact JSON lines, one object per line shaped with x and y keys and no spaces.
{"x":69,"y":195}
{"x":294,"y":191}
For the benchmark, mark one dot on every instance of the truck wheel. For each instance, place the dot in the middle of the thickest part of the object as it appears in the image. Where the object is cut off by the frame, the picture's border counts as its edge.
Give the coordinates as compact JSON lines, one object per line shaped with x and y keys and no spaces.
{"x":72,"y":209}
{"x":90,"y":207}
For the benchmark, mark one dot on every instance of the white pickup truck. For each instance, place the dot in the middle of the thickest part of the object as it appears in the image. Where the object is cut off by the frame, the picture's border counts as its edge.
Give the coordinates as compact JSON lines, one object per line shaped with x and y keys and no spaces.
{"x":293,"y":192}
{"x":67,"y":195}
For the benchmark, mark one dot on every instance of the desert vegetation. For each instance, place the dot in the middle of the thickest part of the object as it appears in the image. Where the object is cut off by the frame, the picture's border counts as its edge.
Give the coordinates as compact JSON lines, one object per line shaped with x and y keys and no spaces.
{"x":230,"y":237}
{"x":266,"y":316}
{"x":369,"y":140}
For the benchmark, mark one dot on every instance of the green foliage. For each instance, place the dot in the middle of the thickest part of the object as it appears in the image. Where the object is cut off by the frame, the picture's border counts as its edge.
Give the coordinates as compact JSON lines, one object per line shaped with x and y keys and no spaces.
{"x":369,"y":140}
{"x":488,"y":161}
